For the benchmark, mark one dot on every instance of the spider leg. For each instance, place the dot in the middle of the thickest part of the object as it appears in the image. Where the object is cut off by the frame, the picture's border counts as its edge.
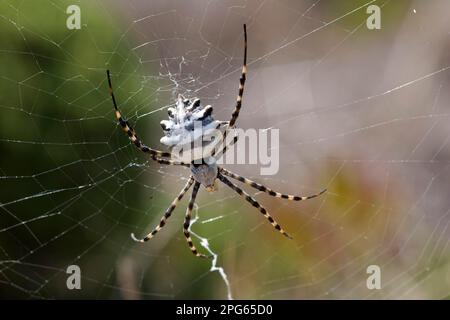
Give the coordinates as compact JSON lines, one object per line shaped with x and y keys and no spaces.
{"x":170,"y":162}
{"x":130,"y":131}
{"x":225,"y":148}
{"x":167,"y":214}
{"x":254,"y":203}
{"x":271,"y":192}
{"x":187,"y":222}
{"x":235,"y":113}
{"x":238,"y":106}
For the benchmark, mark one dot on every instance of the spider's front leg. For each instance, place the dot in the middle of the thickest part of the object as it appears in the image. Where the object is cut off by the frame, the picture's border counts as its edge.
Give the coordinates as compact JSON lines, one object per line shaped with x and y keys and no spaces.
{"x":267,"y":190}
{"x":187,"y":223}
{"x":128,"y":129}
{"x":254,"y":203}
{"x":167,"y":214}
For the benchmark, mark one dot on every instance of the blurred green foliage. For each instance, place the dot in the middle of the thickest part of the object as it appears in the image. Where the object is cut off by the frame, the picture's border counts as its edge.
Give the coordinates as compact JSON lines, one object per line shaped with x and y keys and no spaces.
{"x":59,"y":145}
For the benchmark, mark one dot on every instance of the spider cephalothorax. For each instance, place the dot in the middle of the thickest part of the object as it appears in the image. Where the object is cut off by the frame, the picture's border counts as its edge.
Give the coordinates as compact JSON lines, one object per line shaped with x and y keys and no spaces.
{"x":180,"y":134}
{"x":206,"y":173}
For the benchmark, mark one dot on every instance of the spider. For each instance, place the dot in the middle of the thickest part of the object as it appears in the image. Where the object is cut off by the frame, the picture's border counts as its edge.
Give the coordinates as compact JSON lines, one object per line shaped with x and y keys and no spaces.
{"x":207,"y":172}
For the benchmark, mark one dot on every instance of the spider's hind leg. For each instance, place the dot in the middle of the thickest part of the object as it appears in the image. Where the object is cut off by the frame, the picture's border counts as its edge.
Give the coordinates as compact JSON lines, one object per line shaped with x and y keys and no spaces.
{"x":238,"y":106}
{"x":128,"y":129}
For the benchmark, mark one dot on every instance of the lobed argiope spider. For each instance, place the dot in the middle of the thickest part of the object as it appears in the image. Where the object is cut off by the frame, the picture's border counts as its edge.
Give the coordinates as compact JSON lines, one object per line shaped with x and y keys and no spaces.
{"x":207,"y":172}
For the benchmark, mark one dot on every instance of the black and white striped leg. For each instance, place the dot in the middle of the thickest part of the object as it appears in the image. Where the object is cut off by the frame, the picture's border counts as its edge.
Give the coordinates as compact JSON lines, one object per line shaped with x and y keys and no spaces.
{"x":225,"y":148}
{"x":170,"y":162}
{"x":235,"y":113}
{"x":130,"y":131}
{"x":167,"y":214}
{"x":271,"y":192}
{"x":187,"y":222}
{"x":254,"y":203}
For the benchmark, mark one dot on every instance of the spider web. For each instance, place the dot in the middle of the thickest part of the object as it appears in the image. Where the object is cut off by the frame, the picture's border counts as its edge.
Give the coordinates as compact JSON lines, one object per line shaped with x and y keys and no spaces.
{"x":361,"y":112}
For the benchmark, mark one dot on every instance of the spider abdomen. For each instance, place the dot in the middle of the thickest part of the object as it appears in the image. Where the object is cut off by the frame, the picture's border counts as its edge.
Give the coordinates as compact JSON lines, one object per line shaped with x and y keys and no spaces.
{"x":191,"y":132}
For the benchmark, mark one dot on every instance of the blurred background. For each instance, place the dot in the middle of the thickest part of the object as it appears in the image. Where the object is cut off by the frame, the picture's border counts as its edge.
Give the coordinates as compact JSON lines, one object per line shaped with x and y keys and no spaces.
{"x":364,"y":113}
